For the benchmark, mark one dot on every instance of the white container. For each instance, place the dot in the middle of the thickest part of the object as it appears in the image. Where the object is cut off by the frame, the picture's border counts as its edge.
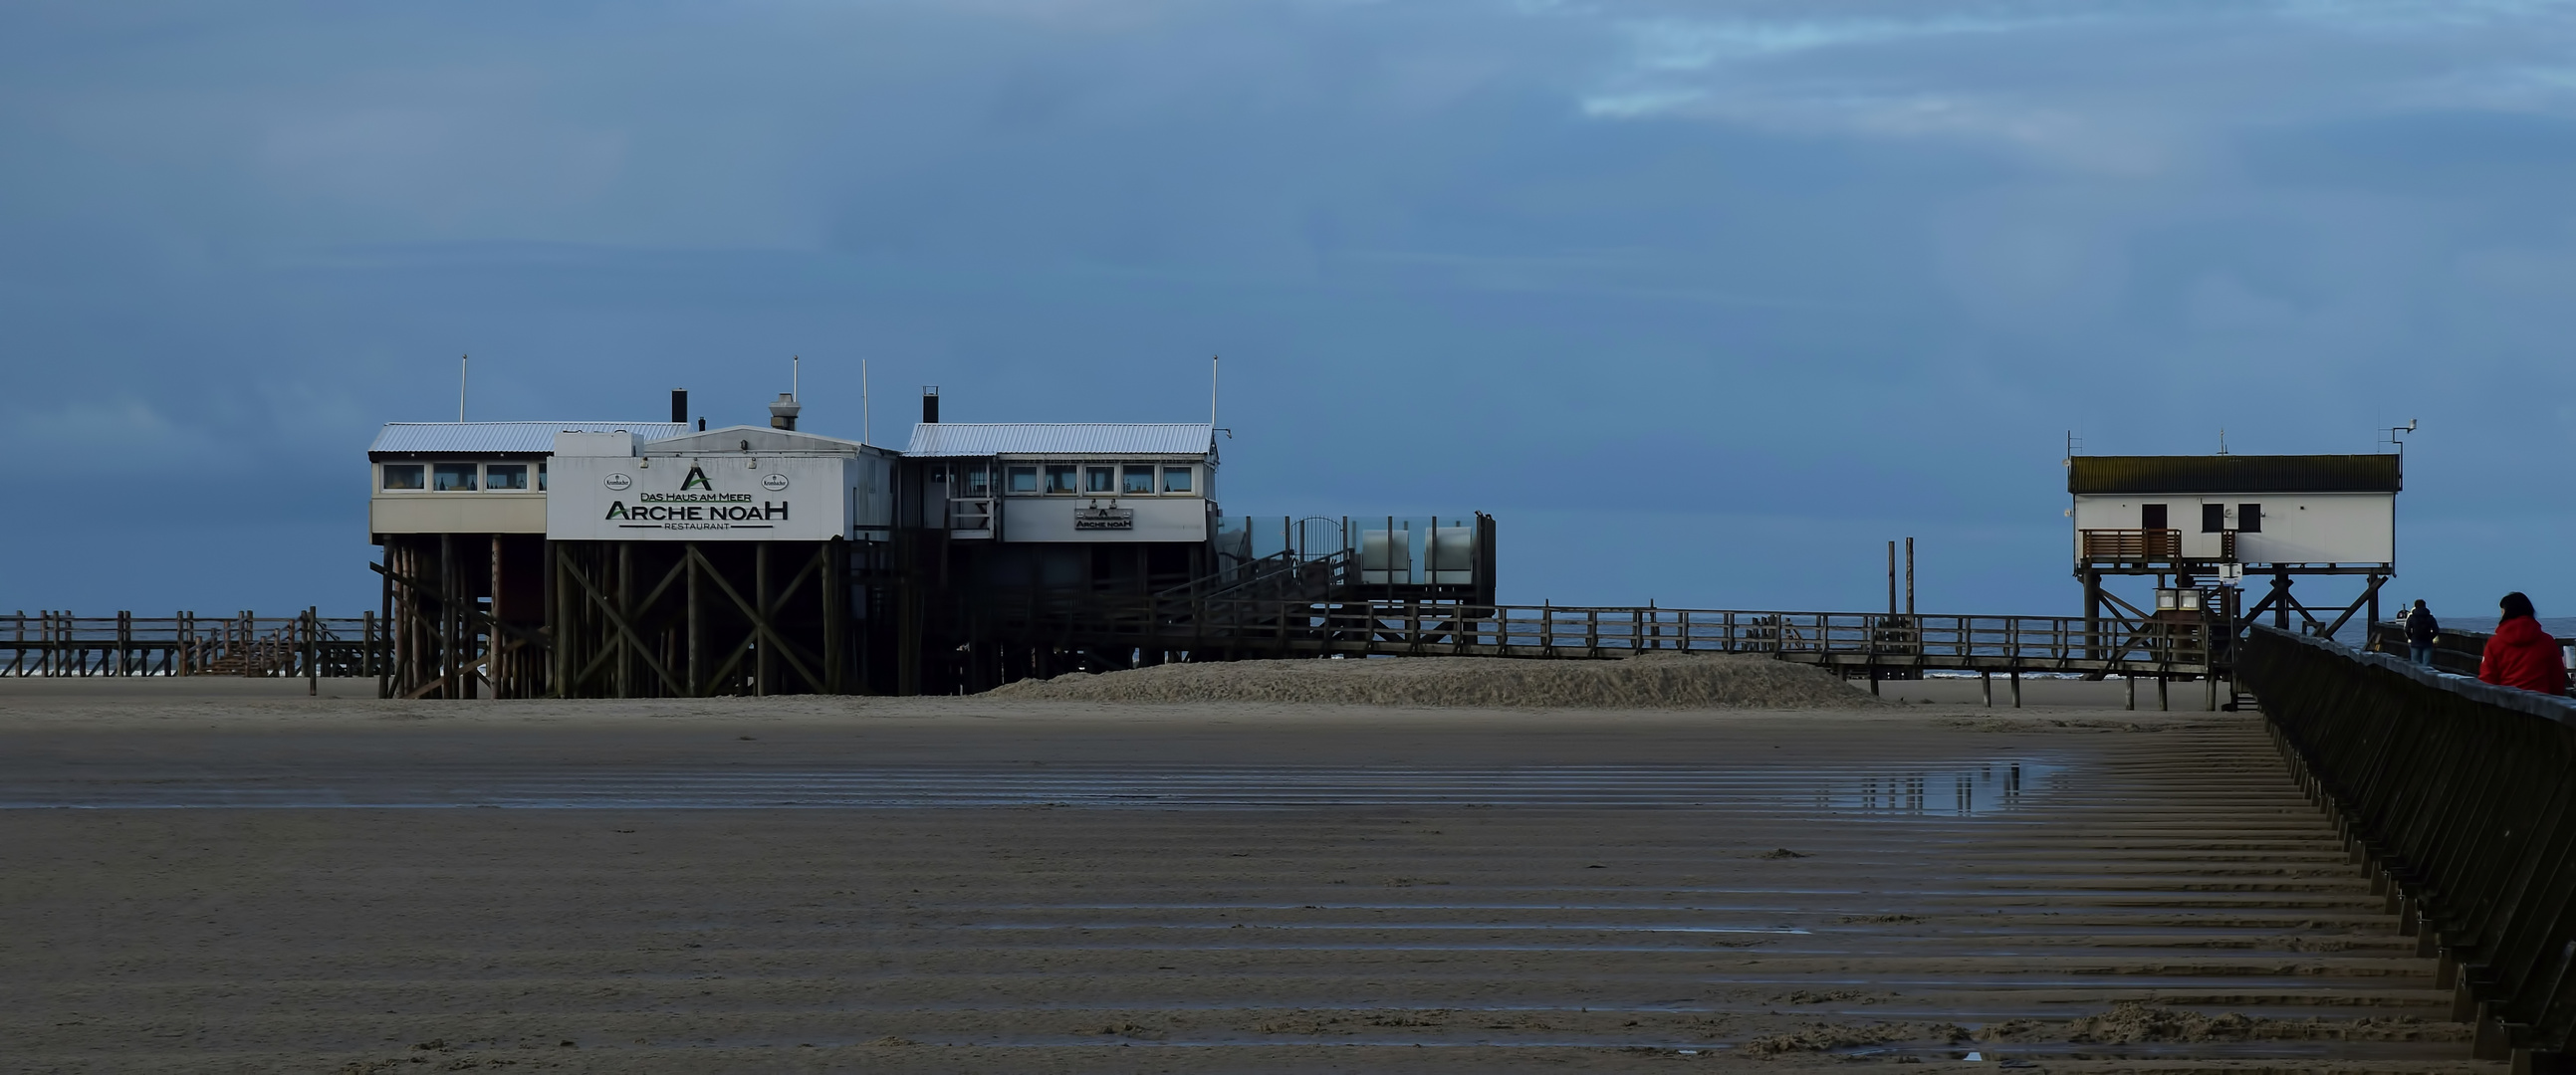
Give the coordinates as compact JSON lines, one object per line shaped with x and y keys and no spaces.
{"x":1386,"y":557}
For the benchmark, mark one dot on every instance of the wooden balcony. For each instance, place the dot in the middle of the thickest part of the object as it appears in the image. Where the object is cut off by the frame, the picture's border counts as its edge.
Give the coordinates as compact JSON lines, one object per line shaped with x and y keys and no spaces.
{"x":2131,"y":545}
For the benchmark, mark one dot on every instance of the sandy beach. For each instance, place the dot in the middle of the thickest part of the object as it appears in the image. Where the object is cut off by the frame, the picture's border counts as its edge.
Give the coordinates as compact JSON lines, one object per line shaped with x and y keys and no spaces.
{"x":230,"y":876}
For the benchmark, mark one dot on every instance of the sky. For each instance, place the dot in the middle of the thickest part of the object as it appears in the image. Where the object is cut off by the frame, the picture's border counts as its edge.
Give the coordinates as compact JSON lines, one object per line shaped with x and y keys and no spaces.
{"x":1704,"y":301}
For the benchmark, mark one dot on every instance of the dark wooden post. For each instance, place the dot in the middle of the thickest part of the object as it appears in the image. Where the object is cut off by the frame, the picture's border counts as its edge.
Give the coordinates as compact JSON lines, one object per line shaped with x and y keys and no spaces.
{"x":764,"y":668}
{"x":835,"y":554}
{"x":697,"y":628}
{"x":504,"y":681}
{"x":312,"y":651}
{"x":626,"y":655}
{"x":2092,"y":613}
{"x":559,"y":617}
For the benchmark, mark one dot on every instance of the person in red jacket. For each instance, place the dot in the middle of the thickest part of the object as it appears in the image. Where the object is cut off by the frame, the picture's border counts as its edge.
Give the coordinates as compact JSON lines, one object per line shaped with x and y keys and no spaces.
{"x":2522,"y":655}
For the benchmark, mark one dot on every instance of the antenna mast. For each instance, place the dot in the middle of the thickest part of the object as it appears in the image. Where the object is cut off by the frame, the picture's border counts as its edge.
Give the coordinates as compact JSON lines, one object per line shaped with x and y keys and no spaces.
{"x":461,"y":371}
{"x":795,"y":377}
{"x":1215,"y":362}
{"x":863,"y":401}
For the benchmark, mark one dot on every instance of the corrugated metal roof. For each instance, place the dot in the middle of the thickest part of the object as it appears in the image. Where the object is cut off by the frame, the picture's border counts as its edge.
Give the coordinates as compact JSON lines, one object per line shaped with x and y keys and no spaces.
{"x":760,"y":439}
{"x":536,"y":437}
{"x":2177,"y":474}
{"x":1089,"y":438}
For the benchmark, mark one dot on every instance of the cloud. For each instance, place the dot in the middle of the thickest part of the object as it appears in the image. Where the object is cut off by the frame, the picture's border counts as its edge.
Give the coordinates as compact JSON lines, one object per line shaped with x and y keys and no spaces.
{"x":2112,"y":88}
{"x":108,"y":436}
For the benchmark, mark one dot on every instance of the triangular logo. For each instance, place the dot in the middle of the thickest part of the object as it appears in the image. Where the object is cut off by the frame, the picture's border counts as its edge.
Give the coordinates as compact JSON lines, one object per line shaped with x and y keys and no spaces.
{"x":697,"y":479}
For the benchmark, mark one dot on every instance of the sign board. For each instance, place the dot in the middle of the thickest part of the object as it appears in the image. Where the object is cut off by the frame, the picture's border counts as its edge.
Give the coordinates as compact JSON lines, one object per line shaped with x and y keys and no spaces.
{"x":711,"y":497}
{"x":1104,"y":519}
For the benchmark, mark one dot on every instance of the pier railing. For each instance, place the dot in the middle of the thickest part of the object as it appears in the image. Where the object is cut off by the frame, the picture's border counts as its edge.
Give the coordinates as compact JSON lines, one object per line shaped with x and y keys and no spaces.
{"x":1220,"y":627}
{"x":56,"y":643}
{"x":2459,"y":799}
{"x":1850,"y":641}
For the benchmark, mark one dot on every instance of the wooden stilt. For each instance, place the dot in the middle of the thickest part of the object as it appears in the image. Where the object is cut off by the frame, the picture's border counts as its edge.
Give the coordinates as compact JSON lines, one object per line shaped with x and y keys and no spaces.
{"x":697,"y":625}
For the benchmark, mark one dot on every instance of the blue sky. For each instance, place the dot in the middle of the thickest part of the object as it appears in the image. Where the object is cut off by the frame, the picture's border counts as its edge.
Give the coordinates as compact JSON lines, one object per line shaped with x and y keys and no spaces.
{"x":1704,"y":301}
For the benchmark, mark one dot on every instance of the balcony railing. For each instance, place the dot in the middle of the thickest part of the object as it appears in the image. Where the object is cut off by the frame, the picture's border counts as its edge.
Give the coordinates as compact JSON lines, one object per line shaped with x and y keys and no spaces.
{"x":2139,"y":545}
{"x":970,"y":513}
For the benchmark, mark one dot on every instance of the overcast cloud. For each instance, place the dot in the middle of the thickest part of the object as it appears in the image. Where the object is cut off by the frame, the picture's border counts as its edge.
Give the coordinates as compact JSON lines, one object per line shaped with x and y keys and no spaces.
{"x":1705,"y":301}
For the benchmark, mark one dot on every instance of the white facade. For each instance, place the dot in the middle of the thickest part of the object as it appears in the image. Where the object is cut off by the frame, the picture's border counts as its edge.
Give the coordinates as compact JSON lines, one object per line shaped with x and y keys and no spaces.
{"x":1059,"y":519}
{"x":406,"y":511}
{"x":739,"y":484}
{"x":1057,"y":484}
{"x":2293,"y":528}
{"x":472,"y":477}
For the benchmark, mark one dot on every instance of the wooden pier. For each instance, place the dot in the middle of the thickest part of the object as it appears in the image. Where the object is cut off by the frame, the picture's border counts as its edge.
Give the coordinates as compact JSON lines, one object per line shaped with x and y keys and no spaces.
{"x":1035,"y":637}
{"x":52,"y":643}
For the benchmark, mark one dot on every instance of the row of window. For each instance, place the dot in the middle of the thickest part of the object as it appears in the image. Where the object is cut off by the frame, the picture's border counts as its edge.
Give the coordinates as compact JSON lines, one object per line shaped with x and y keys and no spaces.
{"x":1077,"y":479}
{"x":1095,"y":479}
{"x":2213,"y":518}
{"x":465,"y":477}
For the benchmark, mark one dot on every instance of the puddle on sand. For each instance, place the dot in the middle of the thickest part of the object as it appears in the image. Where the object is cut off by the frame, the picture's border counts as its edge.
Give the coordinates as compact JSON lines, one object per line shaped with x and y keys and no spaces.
{"x":1959,"y":791}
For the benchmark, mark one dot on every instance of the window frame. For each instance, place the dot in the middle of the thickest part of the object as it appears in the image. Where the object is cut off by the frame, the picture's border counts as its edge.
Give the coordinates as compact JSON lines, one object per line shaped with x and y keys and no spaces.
{"x":420,"y":472}
{"x":1129,"y":472}
{"x":2249,"y":518}
{"x":1189,"y":479}
{"x":1072,"y":473}
{"x":522,"y":487}
{"x":473,"y":476}
{"x":1011,"y":476}
{"x":1107,"y":479}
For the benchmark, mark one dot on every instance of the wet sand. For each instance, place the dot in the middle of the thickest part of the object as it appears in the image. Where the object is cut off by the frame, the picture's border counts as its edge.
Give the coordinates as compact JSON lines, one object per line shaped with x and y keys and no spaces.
{"x":231,"y":877}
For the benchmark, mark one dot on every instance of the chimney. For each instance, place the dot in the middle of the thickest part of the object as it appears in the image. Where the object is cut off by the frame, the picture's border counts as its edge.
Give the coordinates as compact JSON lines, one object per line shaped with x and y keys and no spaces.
{"x":680,"y":406}
{"x":782,"y":414}
{"x":930,"y":404}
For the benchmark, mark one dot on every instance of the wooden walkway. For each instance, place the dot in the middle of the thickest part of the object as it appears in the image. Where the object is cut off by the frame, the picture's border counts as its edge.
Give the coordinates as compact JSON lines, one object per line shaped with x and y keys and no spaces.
{"x":51,"y":643}
{"x":62,"y":644}
{"x":1849,"y":641}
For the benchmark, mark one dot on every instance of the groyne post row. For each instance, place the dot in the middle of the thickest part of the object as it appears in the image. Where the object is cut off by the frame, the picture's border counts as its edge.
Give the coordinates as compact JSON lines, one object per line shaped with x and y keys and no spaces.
{"x":306,"y":644}
{"x":2459,"y":800}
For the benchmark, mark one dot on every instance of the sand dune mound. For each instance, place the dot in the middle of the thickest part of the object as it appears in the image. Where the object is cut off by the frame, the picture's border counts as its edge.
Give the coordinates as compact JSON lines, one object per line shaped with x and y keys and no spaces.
{"x":1660,"y":681}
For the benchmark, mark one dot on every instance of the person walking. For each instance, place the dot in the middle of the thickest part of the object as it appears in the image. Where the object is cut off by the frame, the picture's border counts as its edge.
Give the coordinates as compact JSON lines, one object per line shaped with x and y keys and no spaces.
{"x":2421,"y":630}
{"x":2521,"y":655}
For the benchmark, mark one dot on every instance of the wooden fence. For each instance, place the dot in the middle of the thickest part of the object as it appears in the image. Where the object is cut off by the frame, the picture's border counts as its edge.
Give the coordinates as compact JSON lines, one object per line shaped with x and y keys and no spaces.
{"x":1876,"y":645}
{"x":2458,"y":800}
{"x":1299,"y":628}
{"x":56,"y":643}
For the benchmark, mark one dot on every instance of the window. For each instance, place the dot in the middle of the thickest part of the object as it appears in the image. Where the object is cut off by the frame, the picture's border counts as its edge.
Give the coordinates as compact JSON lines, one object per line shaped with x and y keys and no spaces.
{"x":2151,"y":517}
{"x":499,"y":476}
{"x":541,"y":477}
{"x":2249,"y":518}
{"x":1139,"y":481}
{"x":1176,"y":479}
{"x":1100,"y":479}
{"x":452,"y":478}
{"x":1060,"y":478}
{"x":2213,"y":518}
{"x":979,"y":480}
{"x":403,"y":475}
{"x":1024,"y":479}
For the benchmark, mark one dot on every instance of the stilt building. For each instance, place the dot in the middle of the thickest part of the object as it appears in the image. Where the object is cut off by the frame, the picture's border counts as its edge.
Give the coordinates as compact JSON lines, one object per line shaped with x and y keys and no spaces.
{"x":638,"y":559}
